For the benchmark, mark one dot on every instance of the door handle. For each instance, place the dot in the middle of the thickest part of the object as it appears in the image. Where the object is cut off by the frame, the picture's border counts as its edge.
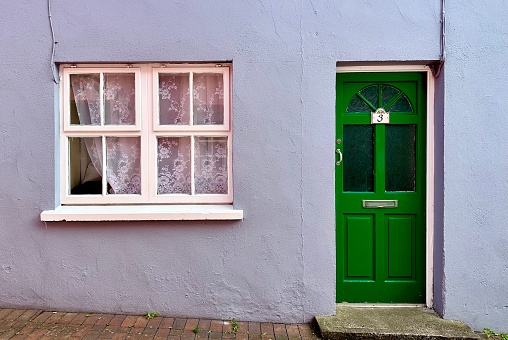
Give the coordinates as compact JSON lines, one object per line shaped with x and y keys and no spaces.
{"x":340,"y":157}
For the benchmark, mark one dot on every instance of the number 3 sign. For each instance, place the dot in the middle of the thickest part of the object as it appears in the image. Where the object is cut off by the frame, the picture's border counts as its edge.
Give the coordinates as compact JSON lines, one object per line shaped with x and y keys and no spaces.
{"x":380,"y":116}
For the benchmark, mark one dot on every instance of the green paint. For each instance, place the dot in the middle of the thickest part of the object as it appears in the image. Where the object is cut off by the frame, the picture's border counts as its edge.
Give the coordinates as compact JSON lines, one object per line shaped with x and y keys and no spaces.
{"x":381,"y":252}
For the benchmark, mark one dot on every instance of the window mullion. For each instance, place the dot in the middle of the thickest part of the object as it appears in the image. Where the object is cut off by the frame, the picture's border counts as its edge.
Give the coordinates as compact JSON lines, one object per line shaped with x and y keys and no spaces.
{"x":191,"y":100}
{"x":101,"y":97}
{"x":147,"y":138}
{"x":192,"y":159}
{"x":104,"y":166}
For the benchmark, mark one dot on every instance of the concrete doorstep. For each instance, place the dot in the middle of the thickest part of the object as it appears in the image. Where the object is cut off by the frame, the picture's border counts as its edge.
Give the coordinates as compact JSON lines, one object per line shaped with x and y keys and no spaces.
{"x":355,"y":322}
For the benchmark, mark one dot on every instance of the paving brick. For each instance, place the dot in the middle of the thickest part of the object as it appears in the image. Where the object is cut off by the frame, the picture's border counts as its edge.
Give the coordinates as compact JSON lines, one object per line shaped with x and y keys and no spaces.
{"x":91,"y":335}
{"x":91,"y":319}
{"x":37,"y":334}
{"x":107,"y":333}
{"x":306,"y":331}
{"x":41,"y":318}
{"x":55,"y":317}
{"x":15,"y":314}
{"x":135,"y":333}
{"x":79,"y":319}
{"x":23,"y":320}
{"x":191,"y":324}
{"x":204,"y":327}
{"x":35,"y":324}
{"x":8,"y":334}
{"x":153,"y":325}
{"x":119,"y":336}
{"x":176,"y":332}
{"x":243,"y":327}
{"x":188,"y":334}
{"x":179,"y":323}
{"x":167,"y":322}
{"x":68,"y":317}
{"x":228,"y":335}
{"x":267,"y":329}
{"x":117,"y":321}
{"x":141,"y":322}
{"x":227,"y":329}
{"x":104,"y":320}
{"x":25,"y":331}
{"x":129,"y":321}
{"x":292,"y":331}
{"x":215,"y":335}
{"x":65,"y":332}
{"x":82,"y":330}
{"x":279,"y":329}
{"x":162,"y":333}
{"x":4,"y":313}
{"x":216,"y":326}
{"x":10,"y":321}
{"x":254,"y":328}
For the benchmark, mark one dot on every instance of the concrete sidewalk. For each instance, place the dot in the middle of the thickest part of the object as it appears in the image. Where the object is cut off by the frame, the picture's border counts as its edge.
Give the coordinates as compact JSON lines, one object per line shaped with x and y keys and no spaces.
{"x":38,"y":324}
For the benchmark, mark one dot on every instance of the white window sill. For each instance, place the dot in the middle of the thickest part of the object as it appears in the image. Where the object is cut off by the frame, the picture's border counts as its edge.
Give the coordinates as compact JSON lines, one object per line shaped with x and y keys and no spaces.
{"x":142,"y":213}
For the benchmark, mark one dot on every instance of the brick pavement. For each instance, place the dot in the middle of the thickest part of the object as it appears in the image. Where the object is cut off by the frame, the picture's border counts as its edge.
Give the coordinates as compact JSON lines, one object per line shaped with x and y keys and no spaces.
{"x":38,"y":324}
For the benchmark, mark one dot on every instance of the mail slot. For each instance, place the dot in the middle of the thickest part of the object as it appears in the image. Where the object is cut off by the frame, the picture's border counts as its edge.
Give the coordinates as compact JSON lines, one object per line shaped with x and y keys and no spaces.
{"x":373,"y":204}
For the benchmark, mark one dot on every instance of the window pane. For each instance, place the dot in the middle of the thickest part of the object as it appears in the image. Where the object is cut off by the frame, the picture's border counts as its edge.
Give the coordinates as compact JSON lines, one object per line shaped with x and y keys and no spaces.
{"x":119,"y":99}
{"x":85,"y":166}
{"x":358,"y":158}
{"x":401,"y":105}
{"x":123,"y":165}
{"x":174,"y":99}
{"x":211,"y":165}
{"x":358,"y":105}
{"x":208,"y":99}
{"x":388,"y":93}
{"x":371,"y":94}
{"x":85,"y":99}
{"x":400,"y":157}
{"x":173,"y":165}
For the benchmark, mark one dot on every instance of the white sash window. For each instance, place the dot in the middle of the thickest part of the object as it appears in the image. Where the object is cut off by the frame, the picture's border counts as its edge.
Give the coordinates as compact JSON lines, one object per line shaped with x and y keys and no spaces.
{"x":146,"y":134}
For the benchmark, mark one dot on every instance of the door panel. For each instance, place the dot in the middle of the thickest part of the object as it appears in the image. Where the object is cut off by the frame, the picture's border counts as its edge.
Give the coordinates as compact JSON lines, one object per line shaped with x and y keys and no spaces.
{"x":401,"y":246}
{"x":380,"y":188}
{"x":360,"y":247}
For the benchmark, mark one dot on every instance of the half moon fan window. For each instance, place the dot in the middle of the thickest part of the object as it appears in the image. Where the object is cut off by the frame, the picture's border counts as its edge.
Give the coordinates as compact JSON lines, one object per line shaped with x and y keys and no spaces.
{"x":376,"y":96}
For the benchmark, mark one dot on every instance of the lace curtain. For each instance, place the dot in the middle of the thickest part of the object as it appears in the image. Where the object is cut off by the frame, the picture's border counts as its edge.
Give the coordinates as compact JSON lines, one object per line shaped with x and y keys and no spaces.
{"x":210,"y":165}
{"x":174,"y":162}
{"x":174,"y":153}
{"x":122,"y":153}
{"x":207,"y":98}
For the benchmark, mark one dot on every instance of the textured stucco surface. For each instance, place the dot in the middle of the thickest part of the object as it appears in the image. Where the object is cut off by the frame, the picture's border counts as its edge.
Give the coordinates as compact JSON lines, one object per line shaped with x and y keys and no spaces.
{"x":475,"y":165}
{"x":279,"y":262}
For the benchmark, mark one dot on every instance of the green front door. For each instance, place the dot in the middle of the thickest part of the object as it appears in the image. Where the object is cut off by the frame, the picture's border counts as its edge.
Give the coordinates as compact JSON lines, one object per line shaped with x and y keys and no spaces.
{"x":380,"y":187}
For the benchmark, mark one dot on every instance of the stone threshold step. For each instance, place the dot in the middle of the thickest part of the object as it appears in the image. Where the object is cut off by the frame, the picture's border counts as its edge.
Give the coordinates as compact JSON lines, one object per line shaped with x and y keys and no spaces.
{"x":354,"y":323}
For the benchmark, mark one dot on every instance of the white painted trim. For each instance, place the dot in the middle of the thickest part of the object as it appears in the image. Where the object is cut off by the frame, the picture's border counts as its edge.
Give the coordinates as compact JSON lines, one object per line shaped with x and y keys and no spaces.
{"x":142,"y":213}
{"x":147,"y":129}
{"x":430,"y":189}
{"x":386,"y":68}
{"x":429,"y":251}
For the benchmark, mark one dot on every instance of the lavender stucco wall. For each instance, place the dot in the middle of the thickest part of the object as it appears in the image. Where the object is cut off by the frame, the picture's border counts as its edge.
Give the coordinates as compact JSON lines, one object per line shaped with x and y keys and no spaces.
{"x":279,"y":262}
{"x":476,"y":165}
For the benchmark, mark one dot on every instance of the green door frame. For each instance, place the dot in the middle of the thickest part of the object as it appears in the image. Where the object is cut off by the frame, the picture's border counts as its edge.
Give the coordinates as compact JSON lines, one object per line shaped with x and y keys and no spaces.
{"x":429,"y":277}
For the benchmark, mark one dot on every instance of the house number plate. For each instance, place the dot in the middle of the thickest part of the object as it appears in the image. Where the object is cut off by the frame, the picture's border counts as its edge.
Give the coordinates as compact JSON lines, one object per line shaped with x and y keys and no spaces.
{"x":380,"y":116}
